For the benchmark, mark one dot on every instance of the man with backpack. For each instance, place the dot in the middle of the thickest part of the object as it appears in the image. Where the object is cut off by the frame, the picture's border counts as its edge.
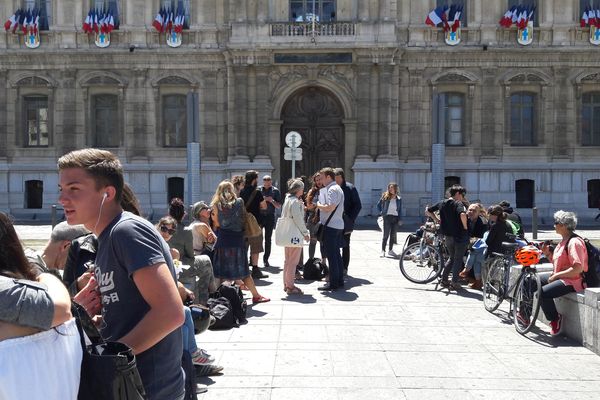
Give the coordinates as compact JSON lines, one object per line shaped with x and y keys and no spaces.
{"x":513,"y":219}
{"x":453,"y":224}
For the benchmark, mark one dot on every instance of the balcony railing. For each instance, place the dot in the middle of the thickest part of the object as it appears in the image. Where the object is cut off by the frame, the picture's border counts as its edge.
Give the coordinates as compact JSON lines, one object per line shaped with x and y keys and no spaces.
{"x":305,"y":29}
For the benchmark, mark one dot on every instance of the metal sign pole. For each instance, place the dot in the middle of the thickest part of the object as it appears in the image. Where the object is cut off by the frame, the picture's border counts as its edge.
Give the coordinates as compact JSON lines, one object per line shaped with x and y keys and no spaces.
{"x":293,"y":157}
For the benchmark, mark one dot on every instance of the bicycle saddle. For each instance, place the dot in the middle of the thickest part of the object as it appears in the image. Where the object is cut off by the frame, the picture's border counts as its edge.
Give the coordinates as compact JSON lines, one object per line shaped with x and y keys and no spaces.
{"x":508,"y":246}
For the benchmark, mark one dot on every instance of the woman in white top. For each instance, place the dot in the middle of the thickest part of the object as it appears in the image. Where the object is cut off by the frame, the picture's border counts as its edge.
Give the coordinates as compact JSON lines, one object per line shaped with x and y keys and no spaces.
{"x":390,"y":207}
{"x":204,"y":237}
{"x":293,"y":208}
{"x":37,"y":362}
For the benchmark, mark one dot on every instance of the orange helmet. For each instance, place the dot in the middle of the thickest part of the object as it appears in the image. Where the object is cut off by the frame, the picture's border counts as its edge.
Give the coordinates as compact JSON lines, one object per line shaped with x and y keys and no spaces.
{"x":528,"y":255}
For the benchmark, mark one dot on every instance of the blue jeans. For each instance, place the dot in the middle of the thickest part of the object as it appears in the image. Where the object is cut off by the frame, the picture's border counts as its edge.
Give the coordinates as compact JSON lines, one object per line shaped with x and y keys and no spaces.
{"x":332,"y":242}
{"x":475,"y":261}
{"x":187,"y":330}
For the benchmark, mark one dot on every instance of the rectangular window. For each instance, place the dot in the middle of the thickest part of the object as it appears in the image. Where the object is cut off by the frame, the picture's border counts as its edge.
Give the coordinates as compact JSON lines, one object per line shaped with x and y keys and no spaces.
{"x":448,"y":3}
{"x":450,"y":119}
{"x":590,"y":119}
{"x":526,"y":3}
{"x":106,"y":120}
{"x":36,"y":121}
{"x":522,"y":119}
{"x":303,"y":10}
{"x":44,"y":7}
{"x":175,"y":5}
{"x":106,"y":5}
{"x":174,"y":120}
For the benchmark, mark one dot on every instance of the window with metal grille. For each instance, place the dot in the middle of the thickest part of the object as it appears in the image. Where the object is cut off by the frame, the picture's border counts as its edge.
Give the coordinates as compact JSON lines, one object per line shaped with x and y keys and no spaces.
{"x":36,"y":121}
{"x":45,"y":11}
{"x":303,"y":10}
{"x":174,"y":117}
{"x":590,"y":119}
{"x":522,"y":119}
{"x":105,"y":120}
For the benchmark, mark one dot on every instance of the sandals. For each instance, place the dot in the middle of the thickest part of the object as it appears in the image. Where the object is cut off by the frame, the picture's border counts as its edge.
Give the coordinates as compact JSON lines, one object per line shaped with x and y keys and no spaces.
{"x":260,"y":299}
{"x":294,"y":290}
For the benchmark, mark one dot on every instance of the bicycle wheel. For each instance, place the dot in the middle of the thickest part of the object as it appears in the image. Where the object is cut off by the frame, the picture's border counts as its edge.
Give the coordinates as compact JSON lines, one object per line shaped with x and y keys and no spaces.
{"x":421,"y":263}
{"x":526,"y":301}
{"x":493,"y":277}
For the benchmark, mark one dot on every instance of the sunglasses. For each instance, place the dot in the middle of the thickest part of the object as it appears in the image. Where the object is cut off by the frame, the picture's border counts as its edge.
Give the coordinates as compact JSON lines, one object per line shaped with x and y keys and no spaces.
{"x":557,"y":223}
{"x":165,"y":229}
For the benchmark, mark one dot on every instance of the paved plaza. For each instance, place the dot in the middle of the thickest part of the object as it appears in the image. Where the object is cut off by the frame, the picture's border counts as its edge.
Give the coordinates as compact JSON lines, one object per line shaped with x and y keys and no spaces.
{"x":386,"y":338}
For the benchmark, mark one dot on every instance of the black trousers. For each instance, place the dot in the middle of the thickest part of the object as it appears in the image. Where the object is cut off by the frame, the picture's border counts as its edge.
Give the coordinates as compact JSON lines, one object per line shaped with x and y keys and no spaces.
{"x":268,"y":225}
{"x":346,"y":251}
{"x":550,"y":291}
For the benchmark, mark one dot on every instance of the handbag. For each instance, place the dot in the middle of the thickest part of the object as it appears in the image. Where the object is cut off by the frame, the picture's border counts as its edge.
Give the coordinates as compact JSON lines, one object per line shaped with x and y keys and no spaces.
{"x":321,"y":229}
{"x":108,"y":369}
{"x":287,"y":233}
{"x":251,"y":226}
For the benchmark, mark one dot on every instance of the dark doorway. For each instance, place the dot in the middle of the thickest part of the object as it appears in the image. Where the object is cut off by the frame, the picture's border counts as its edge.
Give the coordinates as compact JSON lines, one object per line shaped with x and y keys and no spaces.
{"x":317,"y":116}
{"x":34,"y":194}
{"x":593,"y":189}
{"x":175,"y":188}
{"x":525,"y":193}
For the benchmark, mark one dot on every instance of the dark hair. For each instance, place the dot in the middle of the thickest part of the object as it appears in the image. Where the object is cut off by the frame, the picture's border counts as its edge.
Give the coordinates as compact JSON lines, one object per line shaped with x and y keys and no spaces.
{"x":328,"y":171}
{"x":497,"y":211}
{"x":177,"y":209}
{"x":457,"y":189}
{"x":314,"y":190}
{"x":340,"y":172}
{"x":129,"y":201}
{"x":250,"y":177}
{"x":13,"y":262}
{"x":103,"y":166}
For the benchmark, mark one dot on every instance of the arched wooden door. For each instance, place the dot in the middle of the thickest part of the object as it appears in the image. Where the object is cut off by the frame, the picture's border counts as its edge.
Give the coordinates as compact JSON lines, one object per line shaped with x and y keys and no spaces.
{"x":317,"y":116}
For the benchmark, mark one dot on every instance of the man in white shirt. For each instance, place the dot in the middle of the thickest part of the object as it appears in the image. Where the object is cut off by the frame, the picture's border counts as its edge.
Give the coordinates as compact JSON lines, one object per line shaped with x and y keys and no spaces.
{"x":331,"y":207}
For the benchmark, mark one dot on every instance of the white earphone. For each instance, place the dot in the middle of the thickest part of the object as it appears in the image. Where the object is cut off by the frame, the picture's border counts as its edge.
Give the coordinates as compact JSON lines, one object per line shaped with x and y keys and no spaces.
{"x":105,"y":195}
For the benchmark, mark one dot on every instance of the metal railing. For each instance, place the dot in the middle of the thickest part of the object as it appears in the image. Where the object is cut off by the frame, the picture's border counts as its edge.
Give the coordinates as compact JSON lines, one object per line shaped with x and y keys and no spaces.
{"x":305,"y":29}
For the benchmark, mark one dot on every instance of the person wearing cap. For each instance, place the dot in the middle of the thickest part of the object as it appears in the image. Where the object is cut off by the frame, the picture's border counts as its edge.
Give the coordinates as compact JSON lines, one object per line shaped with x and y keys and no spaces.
{"x":453,"y":224}
{"x":203,"y":236}
{"x":54,"y":254}
{"x":272,"y":196}
{"x":294,"y":208}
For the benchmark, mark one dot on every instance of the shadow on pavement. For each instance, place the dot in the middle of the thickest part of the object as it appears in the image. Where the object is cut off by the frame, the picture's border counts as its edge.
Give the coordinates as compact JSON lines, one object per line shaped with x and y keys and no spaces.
{"x":351,"y":282}
{"x":261,"y":282}
{"x":251,"y":312}
{"x":341,"y":295}
{"x":272,"y":269}
{"x":300,"y":298}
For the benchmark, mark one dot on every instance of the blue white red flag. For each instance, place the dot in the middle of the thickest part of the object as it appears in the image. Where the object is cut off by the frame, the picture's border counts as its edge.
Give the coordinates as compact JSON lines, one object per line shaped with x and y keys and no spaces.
{"x":158,"y":21}
{"x":456,"y":19}
{"x":12,"y":21}
{"x":436,"y":17}
{"x":507,"y":20}
{"x":585,"y":18}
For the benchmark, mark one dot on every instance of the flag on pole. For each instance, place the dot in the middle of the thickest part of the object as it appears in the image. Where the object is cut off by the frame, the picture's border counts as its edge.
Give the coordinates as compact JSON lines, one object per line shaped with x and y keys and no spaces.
{"x":25,"y":22}
{"x":456,"y":19}
{"x":87,"y":24}
{"x":34,"y":26}
{"x":12,"y":21}
{"x":585,"y":18}
{"x":158,"y":21}
{"x":437,"y":16}
{"x":507,"y":20}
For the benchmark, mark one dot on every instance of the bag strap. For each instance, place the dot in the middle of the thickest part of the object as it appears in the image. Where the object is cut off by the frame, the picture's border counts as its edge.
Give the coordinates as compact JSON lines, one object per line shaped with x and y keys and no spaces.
{"x":331,"y":215}
{"x":252,"y":196}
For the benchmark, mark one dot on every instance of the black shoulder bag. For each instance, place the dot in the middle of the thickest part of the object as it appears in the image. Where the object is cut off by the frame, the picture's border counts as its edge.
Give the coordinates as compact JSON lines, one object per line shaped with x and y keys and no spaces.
{"x":321,"y":228}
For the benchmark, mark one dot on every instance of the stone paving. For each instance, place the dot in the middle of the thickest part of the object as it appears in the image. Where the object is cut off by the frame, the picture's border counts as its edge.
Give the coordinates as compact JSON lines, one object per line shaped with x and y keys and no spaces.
{"x":386,"y":338}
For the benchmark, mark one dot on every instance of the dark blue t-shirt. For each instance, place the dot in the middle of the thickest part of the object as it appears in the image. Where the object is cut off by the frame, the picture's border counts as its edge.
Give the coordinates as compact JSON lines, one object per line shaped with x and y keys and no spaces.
{"x":126,"y":245}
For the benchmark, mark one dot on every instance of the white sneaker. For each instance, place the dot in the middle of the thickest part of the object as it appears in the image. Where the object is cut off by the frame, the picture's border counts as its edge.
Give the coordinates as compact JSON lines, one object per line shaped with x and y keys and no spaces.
{"x":392,"y":254}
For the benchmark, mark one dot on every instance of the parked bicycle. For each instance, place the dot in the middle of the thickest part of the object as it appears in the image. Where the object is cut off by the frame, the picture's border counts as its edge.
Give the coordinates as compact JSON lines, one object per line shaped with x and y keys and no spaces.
{"x":524,"y":293}
{"x":423,"y":261}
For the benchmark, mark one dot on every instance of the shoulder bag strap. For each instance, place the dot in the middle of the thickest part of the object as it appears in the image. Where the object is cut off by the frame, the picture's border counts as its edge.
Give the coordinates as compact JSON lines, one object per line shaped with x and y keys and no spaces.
{"x":252,"y":196}
{"x":331,"y":215}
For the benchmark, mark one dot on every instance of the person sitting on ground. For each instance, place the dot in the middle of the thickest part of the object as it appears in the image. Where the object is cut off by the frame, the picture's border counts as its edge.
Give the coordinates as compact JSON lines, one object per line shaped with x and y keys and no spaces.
{"x":570,"y":260}
{"x":477,"y":227}
{"x":203,"y":235}
{"x":199,"y":278}
{"x":293,"y":208}
{"x":54,"y":255}
{"x":34,"y":356}
{"x":390,"y":207}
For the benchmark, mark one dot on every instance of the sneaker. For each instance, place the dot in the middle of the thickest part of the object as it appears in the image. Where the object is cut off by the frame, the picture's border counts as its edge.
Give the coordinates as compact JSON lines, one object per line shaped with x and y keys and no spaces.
{"x":523,"y":319}
{"x":556,"y":326}
{"x":392,"y":254}
{"x":204,"y":353}
{"x":199,"y":359}
{"x":208,"y":369}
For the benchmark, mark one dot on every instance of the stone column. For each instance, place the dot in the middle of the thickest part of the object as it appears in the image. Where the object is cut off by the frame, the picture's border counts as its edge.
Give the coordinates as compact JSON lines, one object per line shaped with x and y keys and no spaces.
{"x":395,"y":108}
{"x":208,"y":98}
{"x":275,"y":147}
{"x":374,"y":9}
{"x":66,"y":112}
{"x":362,"y":103}
{"x":384,"y":131}
{"x":350,"y":146}
{"x":251,"y":111}
{"x":221,"y":103}
{"x":489,"y":118}
{"x":205,"y":12}
{"x":373,"y":111}
{"x":240,"y":11}
{"x":262,"y":99}
{"x":136,"y":96}
{"x":251,"y":11}
{"x":231,"y":93}
{"x":240,"y":112}
{"x":262,"y":12}
{"x":363,"y":10}
{"x":3,"y":104}
{"x":419,"y":121}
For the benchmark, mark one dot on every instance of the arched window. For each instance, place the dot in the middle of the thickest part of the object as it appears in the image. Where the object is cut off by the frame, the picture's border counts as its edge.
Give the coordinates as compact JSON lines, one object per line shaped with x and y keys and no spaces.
{"x":36,"y":121}
{"x":593,"y":189}
{"x":175,"y":188}
{"x":44,"y":8}
{"x":174,"y":120}
{"x":525,"y":193}
{"x":34,"y":194}
{"x":590,"y":119}
{"x":105,"y":120}
{"x":522,"y":119}
{"x":302,"y":10}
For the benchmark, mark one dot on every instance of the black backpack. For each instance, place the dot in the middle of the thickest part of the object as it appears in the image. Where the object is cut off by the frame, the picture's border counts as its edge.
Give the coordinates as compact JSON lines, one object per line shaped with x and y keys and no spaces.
{"x":591,"y":278}
{"x":220,"y":308}
{"x":314,"y":269}
{"x":235,"y":296}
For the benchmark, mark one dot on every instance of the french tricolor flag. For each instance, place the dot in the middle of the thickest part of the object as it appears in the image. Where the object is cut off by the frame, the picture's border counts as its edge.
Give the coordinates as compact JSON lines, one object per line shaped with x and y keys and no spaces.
{"x":436,"y":17}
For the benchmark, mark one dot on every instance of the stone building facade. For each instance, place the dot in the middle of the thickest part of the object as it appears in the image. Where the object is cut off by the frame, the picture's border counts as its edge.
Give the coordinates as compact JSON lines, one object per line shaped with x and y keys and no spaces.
{"x":373,"y":90}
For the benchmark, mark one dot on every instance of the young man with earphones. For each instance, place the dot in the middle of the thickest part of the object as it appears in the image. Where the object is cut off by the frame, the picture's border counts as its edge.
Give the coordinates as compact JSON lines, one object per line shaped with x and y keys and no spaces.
{"x":141,"y":306}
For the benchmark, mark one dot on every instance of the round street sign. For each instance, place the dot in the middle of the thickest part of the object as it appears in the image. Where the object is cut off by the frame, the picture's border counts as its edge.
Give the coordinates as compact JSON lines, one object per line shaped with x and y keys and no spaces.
{"x":293,"y":139}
